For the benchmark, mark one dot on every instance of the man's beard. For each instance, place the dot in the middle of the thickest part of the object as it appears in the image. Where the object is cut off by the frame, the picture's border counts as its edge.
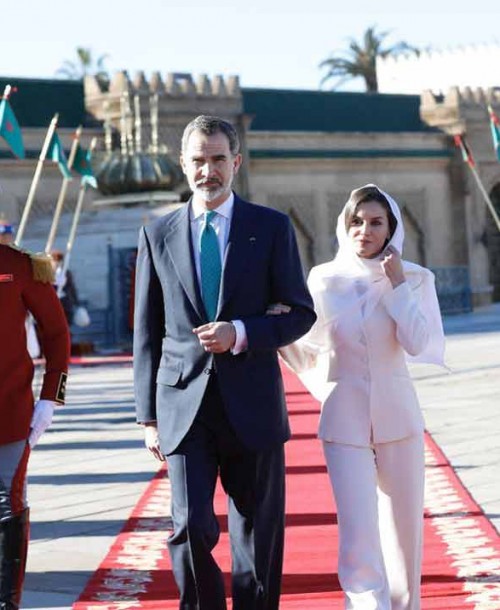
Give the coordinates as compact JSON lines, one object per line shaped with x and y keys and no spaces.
{"x":210,"y":191}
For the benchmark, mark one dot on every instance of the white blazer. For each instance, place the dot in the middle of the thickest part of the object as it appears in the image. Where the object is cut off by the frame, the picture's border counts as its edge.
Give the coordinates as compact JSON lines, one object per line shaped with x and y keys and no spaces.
{"x":370,"y":398}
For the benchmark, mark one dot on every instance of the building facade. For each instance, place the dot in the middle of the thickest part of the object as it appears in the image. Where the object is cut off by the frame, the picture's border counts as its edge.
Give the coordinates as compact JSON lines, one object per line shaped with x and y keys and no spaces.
{"x":304,"y":152}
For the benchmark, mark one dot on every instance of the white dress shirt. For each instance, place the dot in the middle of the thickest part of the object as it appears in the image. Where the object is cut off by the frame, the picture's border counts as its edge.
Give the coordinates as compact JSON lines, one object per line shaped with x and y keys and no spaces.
{"x":221,"y":223}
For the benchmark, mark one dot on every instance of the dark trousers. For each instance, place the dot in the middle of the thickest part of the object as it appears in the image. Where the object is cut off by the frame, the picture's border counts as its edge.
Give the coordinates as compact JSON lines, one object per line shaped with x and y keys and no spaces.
{"x":14,"y":522}
{"x":254,"y":483}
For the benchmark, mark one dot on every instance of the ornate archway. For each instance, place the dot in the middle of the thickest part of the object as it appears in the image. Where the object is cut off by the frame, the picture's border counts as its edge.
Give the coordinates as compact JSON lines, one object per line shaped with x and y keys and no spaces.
{"x":304,"y":240}
{"x":414,"y":238}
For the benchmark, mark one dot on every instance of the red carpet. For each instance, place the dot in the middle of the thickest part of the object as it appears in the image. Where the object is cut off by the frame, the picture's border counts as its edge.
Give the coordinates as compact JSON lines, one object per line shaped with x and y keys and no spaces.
{"x":461,"y":556}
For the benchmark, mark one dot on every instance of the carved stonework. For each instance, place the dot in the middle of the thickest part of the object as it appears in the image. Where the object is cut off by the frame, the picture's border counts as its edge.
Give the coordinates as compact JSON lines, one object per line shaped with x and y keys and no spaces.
{"x":414,"y":244}
{"x":300,"y":208}
{"x":415,"y":202}
{"x":301,"y":203}
{"x":180,"y":99}
{"x":336,"y":201}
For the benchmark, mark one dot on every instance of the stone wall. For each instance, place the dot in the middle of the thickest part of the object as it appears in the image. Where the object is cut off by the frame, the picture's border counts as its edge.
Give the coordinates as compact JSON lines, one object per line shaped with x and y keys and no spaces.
{"x":438,"y":70}
{"x":307,"y":175}
{"x":465,"y":112}
{"x":313,"y":189}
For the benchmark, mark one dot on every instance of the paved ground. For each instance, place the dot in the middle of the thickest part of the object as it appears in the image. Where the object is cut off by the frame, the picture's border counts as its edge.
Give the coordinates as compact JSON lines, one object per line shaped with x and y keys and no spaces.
{"x":90,"y":469}
{"x":462,"y":407}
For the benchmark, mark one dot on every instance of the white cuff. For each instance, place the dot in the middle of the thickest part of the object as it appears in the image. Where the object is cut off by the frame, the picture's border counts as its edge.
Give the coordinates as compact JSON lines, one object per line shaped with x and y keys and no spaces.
{"x":241,"y":343}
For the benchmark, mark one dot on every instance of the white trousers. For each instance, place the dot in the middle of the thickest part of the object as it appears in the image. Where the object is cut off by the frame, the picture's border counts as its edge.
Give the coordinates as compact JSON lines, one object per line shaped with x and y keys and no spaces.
{"x":379,"y":492}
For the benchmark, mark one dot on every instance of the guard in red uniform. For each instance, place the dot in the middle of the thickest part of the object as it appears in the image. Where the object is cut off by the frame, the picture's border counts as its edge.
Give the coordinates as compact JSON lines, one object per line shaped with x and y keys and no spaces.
{"x":25,"y":287}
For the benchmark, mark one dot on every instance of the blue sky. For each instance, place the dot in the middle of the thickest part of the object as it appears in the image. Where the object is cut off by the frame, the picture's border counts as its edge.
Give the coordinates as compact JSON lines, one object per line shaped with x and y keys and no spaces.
{"x":267,"y":43}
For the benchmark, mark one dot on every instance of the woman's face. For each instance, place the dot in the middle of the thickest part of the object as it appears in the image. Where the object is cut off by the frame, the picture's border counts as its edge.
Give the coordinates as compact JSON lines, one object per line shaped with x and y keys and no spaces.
{"x":369,"y":229}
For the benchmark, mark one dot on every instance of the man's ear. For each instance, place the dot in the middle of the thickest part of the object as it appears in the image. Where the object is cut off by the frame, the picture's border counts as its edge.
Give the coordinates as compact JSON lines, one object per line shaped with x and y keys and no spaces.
{"x":183,"y":165}
{"x":237,"y":162}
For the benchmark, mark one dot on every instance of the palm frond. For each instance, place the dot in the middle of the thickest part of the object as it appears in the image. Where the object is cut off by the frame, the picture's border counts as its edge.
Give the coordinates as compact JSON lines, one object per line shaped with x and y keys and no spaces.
{"x":360,"y":58}
{"x":85,"y":65}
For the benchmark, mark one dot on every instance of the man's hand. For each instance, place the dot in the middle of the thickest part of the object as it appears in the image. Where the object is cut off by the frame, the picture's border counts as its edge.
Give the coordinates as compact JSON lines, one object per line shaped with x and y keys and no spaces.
{"x":41,"y":420}
{"x":216,"y":337}
{"x":393,"y":268}
{"x":151,"y":440}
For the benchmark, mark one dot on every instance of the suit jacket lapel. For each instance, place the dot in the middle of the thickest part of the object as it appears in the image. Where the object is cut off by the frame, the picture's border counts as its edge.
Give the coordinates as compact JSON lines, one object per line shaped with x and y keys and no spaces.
{"x":179,"y":246}
{"x":238,"y":248}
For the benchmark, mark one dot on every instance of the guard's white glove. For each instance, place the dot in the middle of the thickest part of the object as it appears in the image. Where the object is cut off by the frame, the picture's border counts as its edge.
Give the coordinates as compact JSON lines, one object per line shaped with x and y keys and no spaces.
{"x":41,"y":420}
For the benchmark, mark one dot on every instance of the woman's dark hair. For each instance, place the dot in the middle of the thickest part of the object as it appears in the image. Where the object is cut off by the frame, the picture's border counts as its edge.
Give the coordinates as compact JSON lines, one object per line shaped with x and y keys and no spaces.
{"x":362,"y":195}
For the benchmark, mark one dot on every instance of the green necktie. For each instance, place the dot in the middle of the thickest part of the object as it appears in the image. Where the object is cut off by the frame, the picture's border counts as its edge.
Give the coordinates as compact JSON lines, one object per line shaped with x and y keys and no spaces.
{"x":211,"y":268}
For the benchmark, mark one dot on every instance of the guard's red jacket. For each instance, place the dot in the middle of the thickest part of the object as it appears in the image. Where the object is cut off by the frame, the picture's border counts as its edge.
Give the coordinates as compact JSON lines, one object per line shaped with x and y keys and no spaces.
{"x":20,"y":293}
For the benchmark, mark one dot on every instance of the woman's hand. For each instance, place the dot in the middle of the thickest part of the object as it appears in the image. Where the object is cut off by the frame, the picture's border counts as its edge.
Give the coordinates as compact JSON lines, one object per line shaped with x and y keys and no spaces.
{"x":393,"y":268}
{"x":276,"y":309}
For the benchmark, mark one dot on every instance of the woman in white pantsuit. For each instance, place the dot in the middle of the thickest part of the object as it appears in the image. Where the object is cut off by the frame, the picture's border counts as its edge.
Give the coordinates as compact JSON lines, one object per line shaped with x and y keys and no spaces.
{"x":374,"y":312}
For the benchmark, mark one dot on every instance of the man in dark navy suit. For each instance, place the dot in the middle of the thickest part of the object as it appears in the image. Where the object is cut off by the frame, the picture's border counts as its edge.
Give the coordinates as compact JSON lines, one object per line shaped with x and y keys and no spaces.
{"x":208,"y":386}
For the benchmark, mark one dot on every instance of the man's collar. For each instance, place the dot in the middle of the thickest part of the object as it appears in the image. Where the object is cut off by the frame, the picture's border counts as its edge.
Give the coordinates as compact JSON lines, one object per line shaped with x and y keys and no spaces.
{"x":224,"y":209}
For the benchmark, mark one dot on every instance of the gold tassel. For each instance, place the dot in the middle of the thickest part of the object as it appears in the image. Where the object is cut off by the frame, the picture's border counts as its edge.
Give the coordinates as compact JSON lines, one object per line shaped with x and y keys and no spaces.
{"x":42,"y":267}
{"x":41,"y":263}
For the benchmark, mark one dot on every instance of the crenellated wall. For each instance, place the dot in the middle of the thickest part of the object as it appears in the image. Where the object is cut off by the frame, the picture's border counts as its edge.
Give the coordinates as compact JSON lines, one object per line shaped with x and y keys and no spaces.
{"x":464,"y":111}
{"x":458,"y":108}
{"x":439,"y":69}
{"x":180,"y":98}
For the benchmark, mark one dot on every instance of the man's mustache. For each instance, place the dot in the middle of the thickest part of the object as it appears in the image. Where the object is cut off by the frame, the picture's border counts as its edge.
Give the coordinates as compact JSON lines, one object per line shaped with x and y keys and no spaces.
{"x":209,"y":182}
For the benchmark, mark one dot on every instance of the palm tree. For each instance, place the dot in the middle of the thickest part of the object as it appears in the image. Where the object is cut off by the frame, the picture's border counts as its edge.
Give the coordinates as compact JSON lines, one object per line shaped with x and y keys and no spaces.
{"x":360,"y":60}
{"x":85,"y":64}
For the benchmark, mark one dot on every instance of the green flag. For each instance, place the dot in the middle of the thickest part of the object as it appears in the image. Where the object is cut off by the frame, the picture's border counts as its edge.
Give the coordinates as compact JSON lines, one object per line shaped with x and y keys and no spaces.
{"x":82,"y":166}
{"x":55,"y":152}
{"x":10,"y":130}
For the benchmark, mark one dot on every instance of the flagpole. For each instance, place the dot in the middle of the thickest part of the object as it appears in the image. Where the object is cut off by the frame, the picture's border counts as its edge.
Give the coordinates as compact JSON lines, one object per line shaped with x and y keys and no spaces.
{"x":76,"y":220}
{"x":6,"y":92}
{"x":489,"y":203}
{"x":62,"y":193}
{"x":36,"y":179}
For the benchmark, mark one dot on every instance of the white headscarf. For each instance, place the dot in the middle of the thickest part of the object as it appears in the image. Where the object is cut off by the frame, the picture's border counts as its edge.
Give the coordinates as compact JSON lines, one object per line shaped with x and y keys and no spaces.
{"x":350,"y":277}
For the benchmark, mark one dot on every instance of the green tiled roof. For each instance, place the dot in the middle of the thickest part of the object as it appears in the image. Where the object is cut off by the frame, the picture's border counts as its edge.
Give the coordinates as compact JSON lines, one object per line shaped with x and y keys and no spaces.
{"x":365,"y":153}
{"x":37,"y":100}
{"x":331,"y":111}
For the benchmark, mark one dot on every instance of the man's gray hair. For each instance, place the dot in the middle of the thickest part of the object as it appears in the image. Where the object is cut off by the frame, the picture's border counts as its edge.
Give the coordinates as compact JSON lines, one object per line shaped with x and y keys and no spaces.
{"x":209,"y":125}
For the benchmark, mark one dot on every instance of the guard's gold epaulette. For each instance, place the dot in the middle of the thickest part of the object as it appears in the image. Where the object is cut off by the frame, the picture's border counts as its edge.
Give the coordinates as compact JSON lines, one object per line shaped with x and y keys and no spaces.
{"x":41,"y":263}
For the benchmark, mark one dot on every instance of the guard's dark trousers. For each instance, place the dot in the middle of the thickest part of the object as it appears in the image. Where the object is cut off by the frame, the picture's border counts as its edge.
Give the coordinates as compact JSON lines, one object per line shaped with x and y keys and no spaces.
{"x":14,"y":535}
